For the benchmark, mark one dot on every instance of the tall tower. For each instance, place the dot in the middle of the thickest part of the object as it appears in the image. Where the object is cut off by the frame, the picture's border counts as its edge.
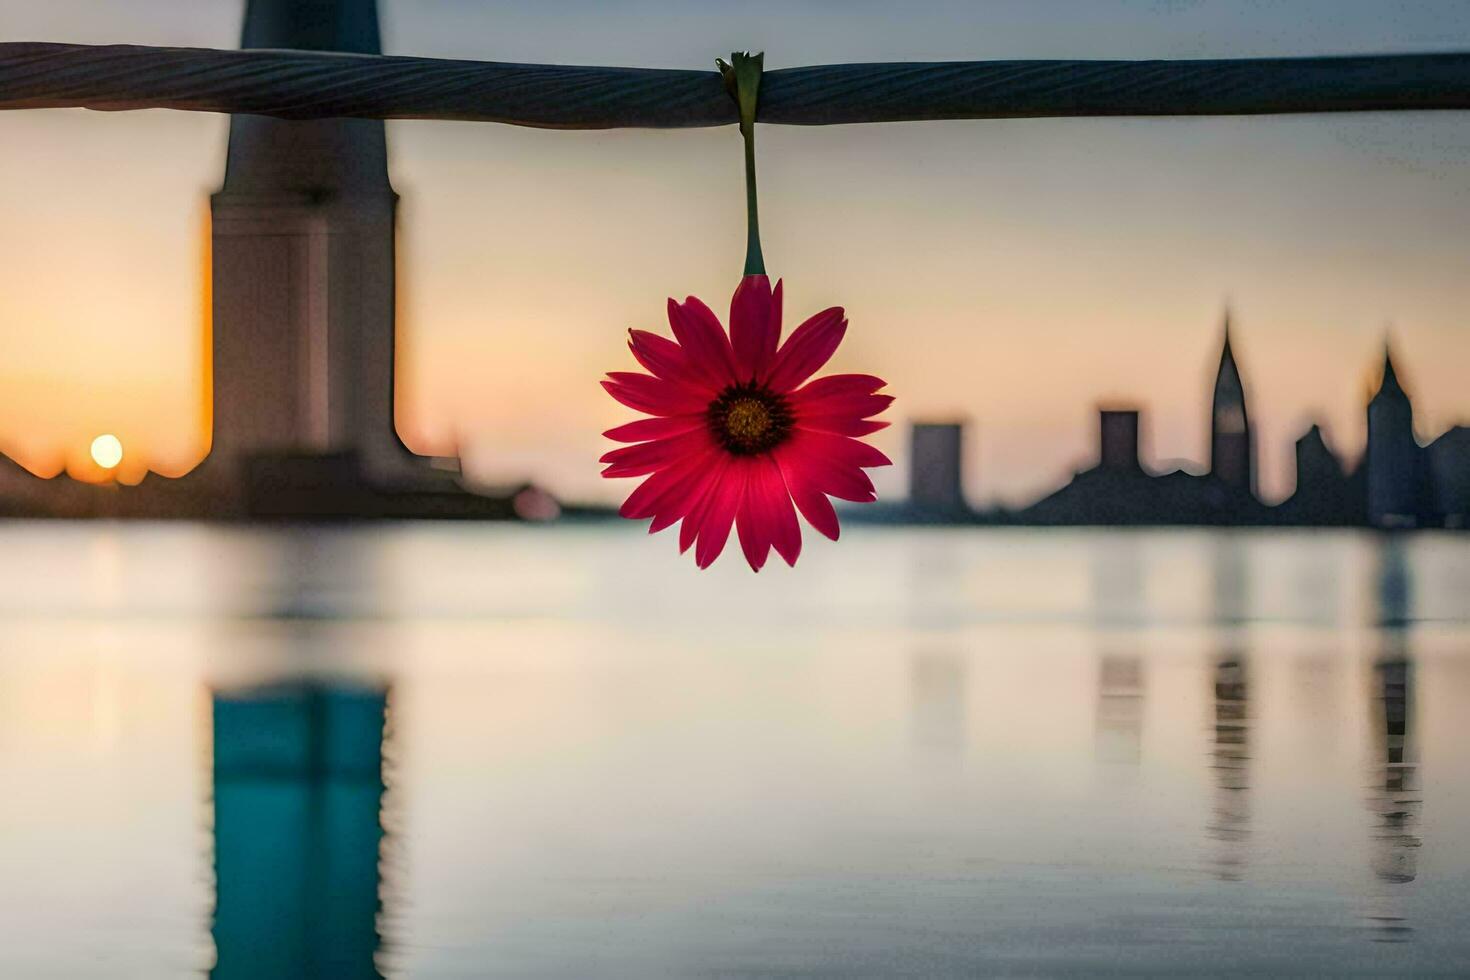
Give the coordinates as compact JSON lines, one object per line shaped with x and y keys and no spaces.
{"x":1117,"y":431}
{"x":1232,"y":443}
{"x":936,"y":479}
{"x":1393,"y":455}
{"x":303,"y":269}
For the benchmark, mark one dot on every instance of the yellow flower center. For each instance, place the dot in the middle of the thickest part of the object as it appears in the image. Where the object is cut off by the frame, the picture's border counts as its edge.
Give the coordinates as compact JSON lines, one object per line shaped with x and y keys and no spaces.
{"x":748,"y":419}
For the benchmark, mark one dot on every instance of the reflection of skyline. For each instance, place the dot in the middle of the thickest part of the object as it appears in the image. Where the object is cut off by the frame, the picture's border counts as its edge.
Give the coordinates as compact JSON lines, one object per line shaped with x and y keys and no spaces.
{"x":1230,"y":765}
{"x":1394,"y":592}
{"x":298,"y":787}
{"x":1394,"y":800}
{"x":1120,"y":693}
{"x":937,"y":681}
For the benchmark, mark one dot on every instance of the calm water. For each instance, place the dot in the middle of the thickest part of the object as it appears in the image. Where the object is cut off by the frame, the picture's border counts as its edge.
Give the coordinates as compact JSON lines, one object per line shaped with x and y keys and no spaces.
{"x":453,"y":751}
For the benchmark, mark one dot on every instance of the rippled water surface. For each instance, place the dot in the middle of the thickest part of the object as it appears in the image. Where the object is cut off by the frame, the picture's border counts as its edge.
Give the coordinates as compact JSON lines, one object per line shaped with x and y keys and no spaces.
{"x":458,"y":751}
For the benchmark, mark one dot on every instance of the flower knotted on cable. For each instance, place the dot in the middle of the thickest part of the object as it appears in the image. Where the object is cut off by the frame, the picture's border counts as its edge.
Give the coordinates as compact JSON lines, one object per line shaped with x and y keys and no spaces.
{"x":741,"y":435}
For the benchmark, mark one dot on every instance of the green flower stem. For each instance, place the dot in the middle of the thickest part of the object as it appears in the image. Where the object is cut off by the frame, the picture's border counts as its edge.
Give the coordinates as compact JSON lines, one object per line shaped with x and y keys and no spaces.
{"x":743,"y":81}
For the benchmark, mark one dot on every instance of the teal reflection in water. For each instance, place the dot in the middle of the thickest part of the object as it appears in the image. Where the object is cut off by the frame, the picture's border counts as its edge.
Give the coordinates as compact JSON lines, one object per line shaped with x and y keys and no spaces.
{"x":297,"y":791}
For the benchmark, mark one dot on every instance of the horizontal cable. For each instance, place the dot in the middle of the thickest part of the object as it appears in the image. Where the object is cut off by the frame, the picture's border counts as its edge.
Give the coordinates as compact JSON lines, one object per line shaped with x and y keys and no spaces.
{"x":317,"y":84}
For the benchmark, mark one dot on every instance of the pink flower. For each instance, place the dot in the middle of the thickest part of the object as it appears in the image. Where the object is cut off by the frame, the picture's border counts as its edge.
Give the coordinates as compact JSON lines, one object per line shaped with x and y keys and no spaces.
{"x":738,"y":433}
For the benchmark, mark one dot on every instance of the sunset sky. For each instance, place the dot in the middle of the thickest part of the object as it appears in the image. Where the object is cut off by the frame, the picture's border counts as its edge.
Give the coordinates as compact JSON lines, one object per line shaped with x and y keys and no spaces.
{"x":1014,"y":273}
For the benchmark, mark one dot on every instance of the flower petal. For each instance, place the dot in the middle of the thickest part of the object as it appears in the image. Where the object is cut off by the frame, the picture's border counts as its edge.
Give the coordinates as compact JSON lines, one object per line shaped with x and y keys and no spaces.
{"x":655,"y":428}
{"x":766,"y":517}
{"x":850,"y":452}
{"x":784,"y":532}
{"x":693,"y":520}
{"x":663,"y":488}
{"x":755,"y":326}
{"x":852,"y":406}
{"x":809,"y":347}
{"x":704,"y":342}
{"x":651,"y":395}
{"x":649,"y":456}
{"x":839,"y":384}
{"x":724,"y":501}
{"x":812,"y":502}
{"x":663,"y":358}
{"x":836,"y":477}
{"x":844,"y":425}
{"x":695,"y":491}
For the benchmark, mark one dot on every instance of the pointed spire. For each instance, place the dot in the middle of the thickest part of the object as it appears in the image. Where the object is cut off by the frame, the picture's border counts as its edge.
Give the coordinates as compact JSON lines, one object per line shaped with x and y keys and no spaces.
{"x":1390,"y":379}
{"x":1389,"y":386}
{"x":1228,"y":375}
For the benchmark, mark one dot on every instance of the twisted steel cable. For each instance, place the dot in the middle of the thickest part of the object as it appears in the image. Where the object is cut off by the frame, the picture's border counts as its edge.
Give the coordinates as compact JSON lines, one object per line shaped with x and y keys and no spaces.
{"x":316,"y":84}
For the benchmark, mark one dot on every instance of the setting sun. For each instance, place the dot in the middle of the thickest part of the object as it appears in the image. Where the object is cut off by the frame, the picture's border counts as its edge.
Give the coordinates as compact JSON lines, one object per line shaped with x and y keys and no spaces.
{"x":107,"y":451}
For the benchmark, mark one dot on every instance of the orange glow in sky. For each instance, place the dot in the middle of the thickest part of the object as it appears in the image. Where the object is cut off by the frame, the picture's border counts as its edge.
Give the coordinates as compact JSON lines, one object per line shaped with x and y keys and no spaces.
{"x":1015,"y":273}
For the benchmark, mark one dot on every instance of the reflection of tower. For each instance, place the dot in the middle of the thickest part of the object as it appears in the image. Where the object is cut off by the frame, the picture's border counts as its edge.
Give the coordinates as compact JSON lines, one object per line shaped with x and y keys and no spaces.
{"x":938,"y":684}
{"x":297,"y":790}
{"x":1394,"y":799}
{"x":1117,"y":579}
{"x":1232,"y":450}
{"x":1395,"y":592}
{"x":1120,"y":709}
{"x":1230,"y":579}
{"x":1230,"y":762}
{"x":1393,"y":455}
{"x":303,"y":278}
{"x":1396,"y":802}
{"x":936,"y":462}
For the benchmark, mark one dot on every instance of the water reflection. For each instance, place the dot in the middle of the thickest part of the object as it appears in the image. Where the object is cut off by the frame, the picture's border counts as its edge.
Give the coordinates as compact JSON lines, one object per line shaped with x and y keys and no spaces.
{"x":1117,"y":580}
{"x":1119,"y":735}
{"x":937,"y":678}
{"x":1395,"y":584}
{"x":1230,"y":765}
{"x":1394,"y":800}
{"x":1230,"y":592}
{"x":983,"y":779}
{"x":298,"y":787}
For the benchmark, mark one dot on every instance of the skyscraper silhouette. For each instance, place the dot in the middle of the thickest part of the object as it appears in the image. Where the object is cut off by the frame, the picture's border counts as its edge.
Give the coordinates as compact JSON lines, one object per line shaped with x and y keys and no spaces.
{"x":1117,"y":431}
{"x":1393,"y":458}
{"x":1232,"y":443}
{"x":936,"y":468}
{"x":303,"y":270}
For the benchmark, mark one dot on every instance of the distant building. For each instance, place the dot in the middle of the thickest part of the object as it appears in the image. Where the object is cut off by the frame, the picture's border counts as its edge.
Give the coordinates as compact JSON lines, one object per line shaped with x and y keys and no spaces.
{"x":1118,"y":439}
{"x":1317,"y":467}
{"x":1120,"y":491}
{"x":1449,"y":468}
{"x":1398,"y":484}
{"x":1232,"y":442}
{"x":303,"y":327}
{"x":303,"y":270}
{"x":1325,"y":493}
{"x":1394,"y":467}
{"x":936,"y":460}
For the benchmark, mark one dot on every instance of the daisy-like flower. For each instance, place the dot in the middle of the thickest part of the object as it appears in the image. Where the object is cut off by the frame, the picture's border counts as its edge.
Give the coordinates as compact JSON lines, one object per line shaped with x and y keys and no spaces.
{"x":738,"y":433}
